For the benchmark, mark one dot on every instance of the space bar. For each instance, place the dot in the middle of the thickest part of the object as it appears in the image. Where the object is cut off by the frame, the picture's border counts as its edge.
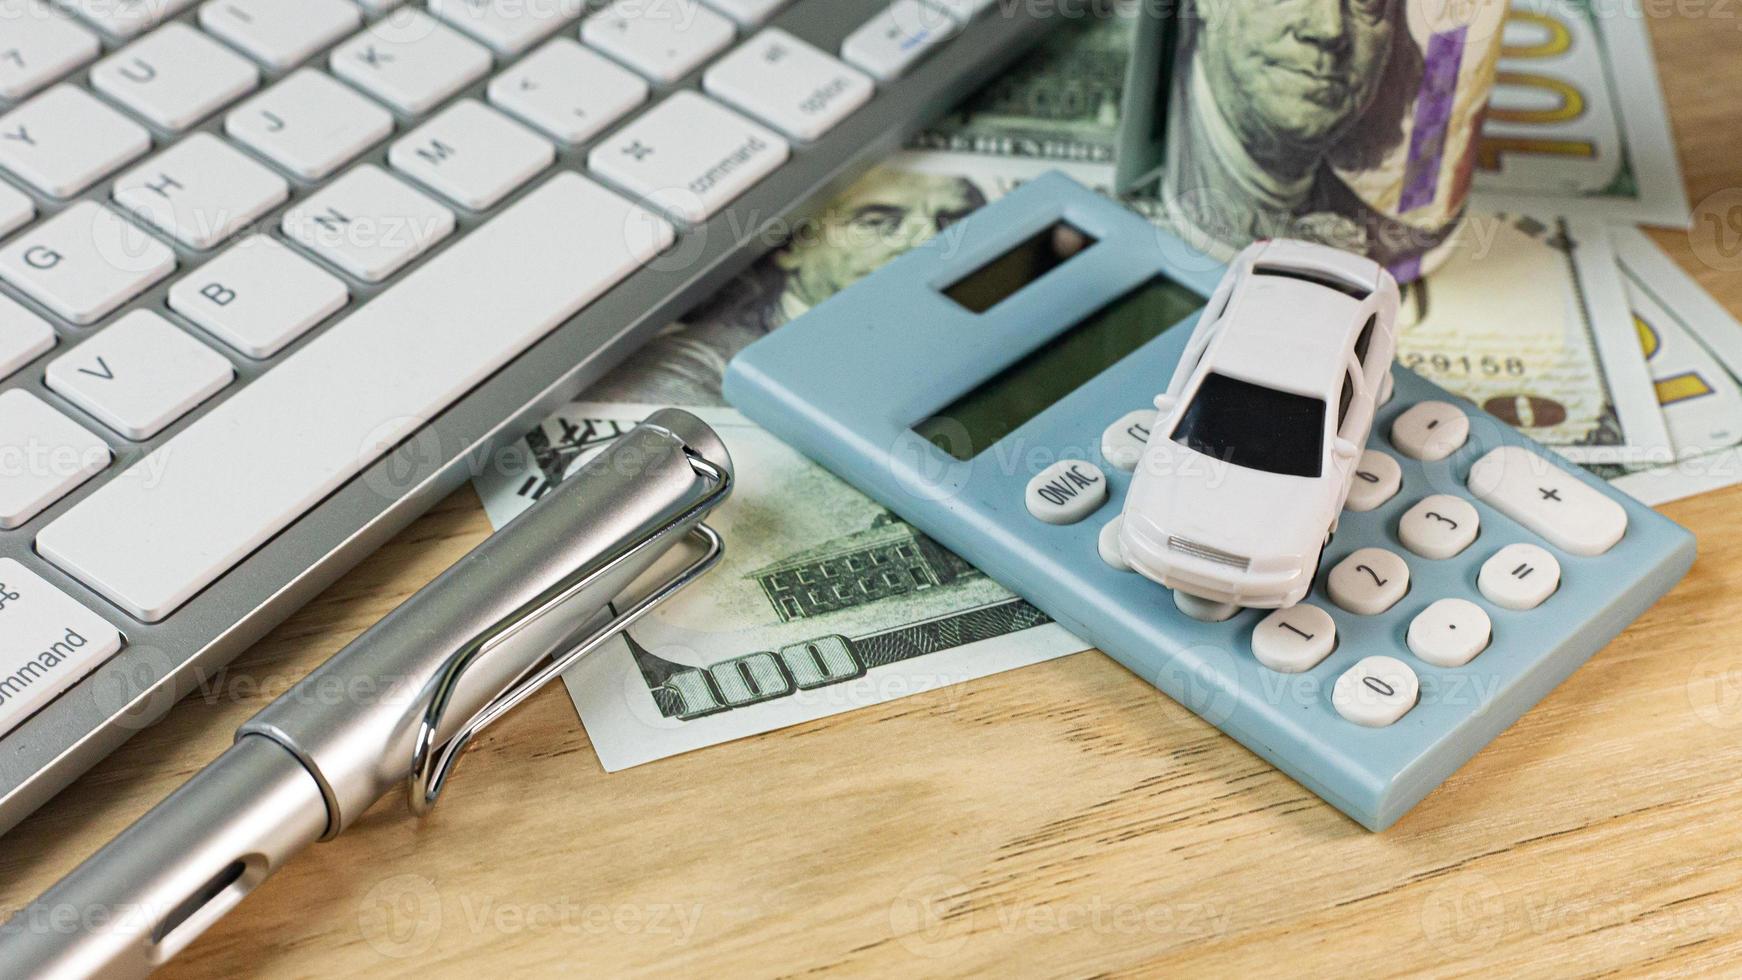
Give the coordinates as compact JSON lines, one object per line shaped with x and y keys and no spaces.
{"x":183,"y":516}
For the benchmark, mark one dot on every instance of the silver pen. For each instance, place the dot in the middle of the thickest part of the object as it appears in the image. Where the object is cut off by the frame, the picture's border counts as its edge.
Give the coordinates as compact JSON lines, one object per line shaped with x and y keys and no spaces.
{"x":396,"y":706}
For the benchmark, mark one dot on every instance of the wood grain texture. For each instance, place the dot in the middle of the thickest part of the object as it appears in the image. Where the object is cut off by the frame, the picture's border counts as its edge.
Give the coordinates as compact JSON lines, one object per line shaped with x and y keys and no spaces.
{"x":1064,"y":819}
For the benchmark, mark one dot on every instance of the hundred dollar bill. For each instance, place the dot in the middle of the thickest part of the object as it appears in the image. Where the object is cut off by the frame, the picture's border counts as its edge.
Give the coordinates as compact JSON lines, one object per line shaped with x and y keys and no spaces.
{"x":1059,"y":105}
{"x":1528,"y":319}
{"x":1577,"y":122}
{"x":824,"y":602}
{"x":1693,"y":347}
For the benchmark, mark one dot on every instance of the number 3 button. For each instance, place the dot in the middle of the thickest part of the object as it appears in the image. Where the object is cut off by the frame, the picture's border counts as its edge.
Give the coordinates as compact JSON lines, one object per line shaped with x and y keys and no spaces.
{"x":1439,"y":526}
{"x":1369,"y":581}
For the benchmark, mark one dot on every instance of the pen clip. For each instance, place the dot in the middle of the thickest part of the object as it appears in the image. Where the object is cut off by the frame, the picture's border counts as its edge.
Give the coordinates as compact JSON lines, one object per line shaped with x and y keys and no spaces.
{"x":433,"y":762}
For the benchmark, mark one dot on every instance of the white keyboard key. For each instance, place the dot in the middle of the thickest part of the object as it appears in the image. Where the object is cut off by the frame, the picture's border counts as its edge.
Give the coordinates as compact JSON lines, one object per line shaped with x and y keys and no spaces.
{"x":1439,"y":527}
{"x":567,"y":91}
{"x":472,"y":154}
{"x":1430,"y":431}
{"x":310,"y":124}
{"x":175,"y":76}
{"x":509,"y":26}
{"x":24,"y":336}
{"x":258,"y":296}
{"x":410,"y":61}
{"x":65,"y":140}
{"x":689,"y":155}
{"x":46,"y":456}
{"x":139,"y":374}
{"x":16,"y":209}
{"x":1519,"y":576}
{"x":1450,"y":633}
{"x":963,"y":10}
{"x":85,"y":262}
{"x":1369,"y":581}
{"x":1548,"y":500}
{"x":200,"y":191}
{"x":259,"y":460}
{"x":788,"y":84}
{"x":280,"y":33}
{"x":664,"y":41}
{"x":895,"y":40}
{"x":125,"y":18}
{"x":1376,"y":692}
{"x":39,"y":45}
{"x":1377,"y":479}
{"x":48,"y":643}
{"x":368,"y":223}
{"x":747,"y":13}
{"x":1294,"y":640}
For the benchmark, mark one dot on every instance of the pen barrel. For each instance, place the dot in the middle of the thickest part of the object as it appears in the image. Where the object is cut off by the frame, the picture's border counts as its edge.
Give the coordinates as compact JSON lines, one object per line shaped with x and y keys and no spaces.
{"x":147,"y":894}
{"x":353,"y":722}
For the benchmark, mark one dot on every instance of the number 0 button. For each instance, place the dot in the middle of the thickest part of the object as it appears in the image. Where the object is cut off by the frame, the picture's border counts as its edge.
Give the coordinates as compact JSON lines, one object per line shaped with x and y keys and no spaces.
{"x":1369,"y":581}
{"x":1377,"y":478}
{"x":1376,"y":692}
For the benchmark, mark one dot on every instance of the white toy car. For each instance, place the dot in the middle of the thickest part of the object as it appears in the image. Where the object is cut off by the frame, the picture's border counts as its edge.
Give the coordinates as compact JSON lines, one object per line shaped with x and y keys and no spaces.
{"x":1258,"y":434}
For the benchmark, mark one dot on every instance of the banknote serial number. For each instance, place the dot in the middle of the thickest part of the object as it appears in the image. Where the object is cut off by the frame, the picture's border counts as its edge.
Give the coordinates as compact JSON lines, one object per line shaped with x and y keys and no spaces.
{"x":1463,"y":364}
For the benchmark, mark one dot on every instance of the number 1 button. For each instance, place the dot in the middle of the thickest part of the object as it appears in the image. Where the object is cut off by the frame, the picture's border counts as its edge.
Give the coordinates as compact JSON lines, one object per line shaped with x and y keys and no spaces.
{"x":1294,"y":640}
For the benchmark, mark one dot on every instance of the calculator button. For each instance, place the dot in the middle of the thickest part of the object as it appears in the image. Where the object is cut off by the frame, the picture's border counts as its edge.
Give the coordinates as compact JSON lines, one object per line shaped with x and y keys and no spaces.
{"x":1204,"y":610}
{"x":1548,"y":500}
{"x":23,"y":336}
{"x":1519,"y":576}
{"x":47,"y":642}
{"x":1439,"y":526}
{"x":689,"y":155}
{"x":1369,"y":581}
{"x":1067,"y":491}
{"x":1295,"y":639}
{"x":1377,"y":479}
{"x":1108,"y":545}
{"x":1124,"y":441}
{"x":894,"y":40}
{"x":1376,"y":692}
{"x":140,"y":374}
{"x":67,"y":455}
{"x":788,"y":84}
{"x":1450,"y":632}
{"x":1430,"y":430}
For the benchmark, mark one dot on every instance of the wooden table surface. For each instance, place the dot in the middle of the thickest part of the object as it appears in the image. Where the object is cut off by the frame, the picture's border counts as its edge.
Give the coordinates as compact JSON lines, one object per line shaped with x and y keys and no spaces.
{"x":1060,"y":819}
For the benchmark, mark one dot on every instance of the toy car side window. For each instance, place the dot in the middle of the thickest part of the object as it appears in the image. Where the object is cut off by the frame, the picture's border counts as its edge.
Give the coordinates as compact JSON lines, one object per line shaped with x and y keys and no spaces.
{"x":1365,"y":340}
{"x":1347,"y":400}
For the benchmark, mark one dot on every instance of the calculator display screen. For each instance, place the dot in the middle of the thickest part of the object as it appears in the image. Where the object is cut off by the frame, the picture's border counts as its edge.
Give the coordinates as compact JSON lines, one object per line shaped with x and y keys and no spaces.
{"x":999,"y":406}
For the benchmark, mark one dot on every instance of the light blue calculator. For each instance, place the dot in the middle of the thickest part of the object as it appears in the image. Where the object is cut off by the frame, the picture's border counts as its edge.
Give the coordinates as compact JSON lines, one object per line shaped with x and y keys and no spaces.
{"x":1033,"y":337}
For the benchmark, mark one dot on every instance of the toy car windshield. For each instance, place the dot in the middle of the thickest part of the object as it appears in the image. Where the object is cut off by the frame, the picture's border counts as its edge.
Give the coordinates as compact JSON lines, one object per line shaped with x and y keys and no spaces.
{"x":1256,"y":427}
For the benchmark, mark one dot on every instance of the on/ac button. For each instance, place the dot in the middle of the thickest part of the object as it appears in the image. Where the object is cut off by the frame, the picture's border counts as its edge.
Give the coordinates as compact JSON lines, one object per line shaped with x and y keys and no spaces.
{"x":1067,"y":491}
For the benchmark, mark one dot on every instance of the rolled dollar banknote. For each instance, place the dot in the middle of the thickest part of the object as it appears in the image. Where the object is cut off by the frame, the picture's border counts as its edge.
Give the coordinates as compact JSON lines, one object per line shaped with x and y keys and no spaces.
{"x":1350,"y":122}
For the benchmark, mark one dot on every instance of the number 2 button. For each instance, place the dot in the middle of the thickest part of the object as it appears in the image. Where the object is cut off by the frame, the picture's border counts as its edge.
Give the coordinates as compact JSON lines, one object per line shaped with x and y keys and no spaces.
{"x":1369,"y":581}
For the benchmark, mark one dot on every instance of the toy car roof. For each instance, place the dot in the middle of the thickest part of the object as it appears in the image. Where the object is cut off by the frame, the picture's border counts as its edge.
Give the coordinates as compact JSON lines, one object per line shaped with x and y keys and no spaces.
{"x":1288,"y":332}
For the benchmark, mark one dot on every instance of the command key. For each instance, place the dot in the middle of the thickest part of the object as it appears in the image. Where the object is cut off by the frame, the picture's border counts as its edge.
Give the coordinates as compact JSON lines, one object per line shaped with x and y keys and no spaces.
{"x":47,"y":643}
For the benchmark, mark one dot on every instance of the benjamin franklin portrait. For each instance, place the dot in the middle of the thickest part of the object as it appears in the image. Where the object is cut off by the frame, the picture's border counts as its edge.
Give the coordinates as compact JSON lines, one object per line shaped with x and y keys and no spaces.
{"x":1271,"y":98}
